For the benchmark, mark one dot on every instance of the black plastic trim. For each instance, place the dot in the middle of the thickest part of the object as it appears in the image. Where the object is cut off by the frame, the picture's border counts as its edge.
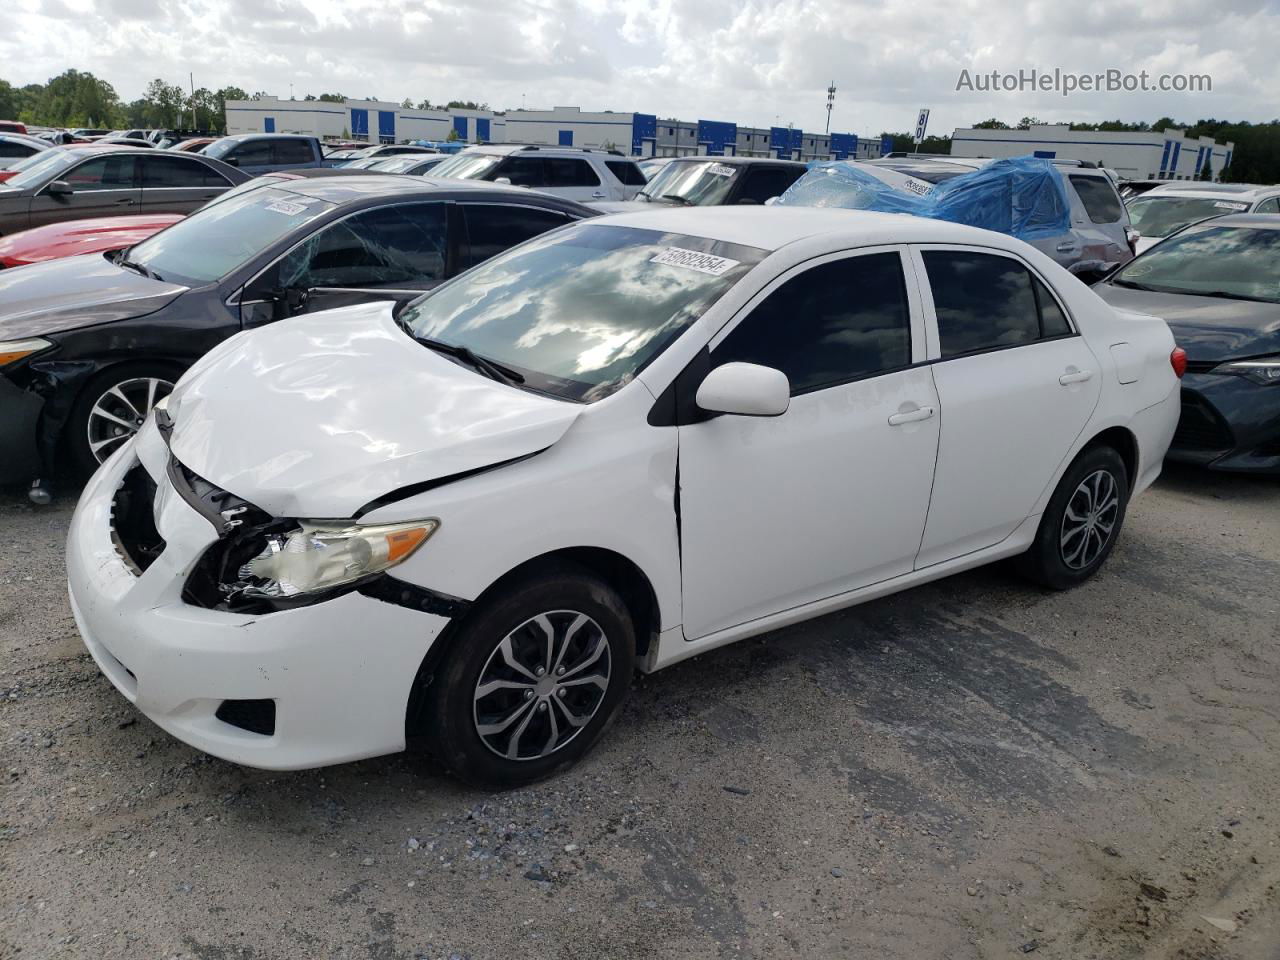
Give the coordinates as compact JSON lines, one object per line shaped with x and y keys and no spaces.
{"x":390,"y":590}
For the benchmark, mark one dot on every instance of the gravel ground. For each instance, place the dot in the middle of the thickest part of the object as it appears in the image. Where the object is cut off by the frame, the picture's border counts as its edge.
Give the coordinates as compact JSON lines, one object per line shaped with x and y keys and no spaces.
{"x":974,"y":768}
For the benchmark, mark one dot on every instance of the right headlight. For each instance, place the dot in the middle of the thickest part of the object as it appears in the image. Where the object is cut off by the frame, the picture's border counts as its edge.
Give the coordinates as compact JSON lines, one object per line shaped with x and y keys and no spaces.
{"x":1263,"y":370}
{"x":318,"y":556}
{"x":12,"y":351}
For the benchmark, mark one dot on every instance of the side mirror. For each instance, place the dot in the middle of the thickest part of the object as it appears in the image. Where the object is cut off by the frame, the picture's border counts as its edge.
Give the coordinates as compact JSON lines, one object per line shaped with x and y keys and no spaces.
{"x":745,"y":389}
{"x":231,"y":161}
{"x":748,"y":201}
{"x":59,"y":188}
{"x":506,"y":180}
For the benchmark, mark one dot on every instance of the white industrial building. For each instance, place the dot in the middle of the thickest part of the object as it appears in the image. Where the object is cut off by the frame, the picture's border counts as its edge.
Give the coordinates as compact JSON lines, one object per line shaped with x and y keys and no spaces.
{"x":1135,"y":156}
{"x":372,"y":120}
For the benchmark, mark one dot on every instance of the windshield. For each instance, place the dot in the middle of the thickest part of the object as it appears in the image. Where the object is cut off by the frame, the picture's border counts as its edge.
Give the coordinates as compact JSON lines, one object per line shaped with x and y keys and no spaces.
{"x":38,"y":168}
{"x":703,"y":184}
{"x":468,"y":166}
{"x":580,"y":311}
{"x":217,"y":238}
{"x":1212,"y":261}
{"x":220,"y":148}
{"x":1161,"y":216}
{"x":396,"y":164}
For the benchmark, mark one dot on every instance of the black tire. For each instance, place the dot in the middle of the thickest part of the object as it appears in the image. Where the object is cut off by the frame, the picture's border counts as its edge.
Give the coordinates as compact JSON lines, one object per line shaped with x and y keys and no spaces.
{"x":1058,"y":564}
{"x":452,"y":711}
{"x":80,"y":454}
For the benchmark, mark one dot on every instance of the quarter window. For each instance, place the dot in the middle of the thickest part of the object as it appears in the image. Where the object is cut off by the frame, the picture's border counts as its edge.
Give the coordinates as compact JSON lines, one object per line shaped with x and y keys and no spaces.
{"x":403,"y":244}
{"x":1099,"y":198}
{"x":986,"y":302}
{"x":493,"y":227}
{"x":836,"y":322}
{"x":103,"y":173}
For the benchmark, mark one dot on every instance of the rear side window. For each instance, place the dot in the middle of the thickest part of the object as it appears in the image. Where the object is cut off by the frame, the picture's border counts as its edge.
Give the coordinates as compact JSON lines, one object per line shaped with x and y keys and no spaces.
{"x":570,"y":172}
{"x":291,"y":151}
{"x":103,"y":173}
{"x":162,"y":172}
{"x":764,"y":183}
{"x":628,"y":173}
{"x":401,"y":244}
{"x":493,"y":227}
{"x":1099,"y":198}
{"x":836,"y":322}
{"x":985,"y":302}
{"x":10,"y":148}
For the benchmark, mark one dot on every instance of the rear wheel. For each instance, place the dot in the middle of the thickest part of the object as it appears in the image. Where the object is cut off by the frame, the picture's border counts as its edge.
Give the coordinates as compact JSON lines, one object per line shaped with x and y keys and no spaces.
{"x":532,"y":680}
{"x":1082,"y":521}
{"x":111,"y":408}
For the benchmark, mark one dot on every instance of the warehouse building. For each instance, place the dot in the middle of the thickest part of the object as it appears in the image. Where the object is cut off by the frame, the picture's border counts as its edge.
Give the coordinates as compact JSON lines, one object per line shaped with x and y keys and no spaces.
{"x":1169,"y":155}
{"x":372,"y":120}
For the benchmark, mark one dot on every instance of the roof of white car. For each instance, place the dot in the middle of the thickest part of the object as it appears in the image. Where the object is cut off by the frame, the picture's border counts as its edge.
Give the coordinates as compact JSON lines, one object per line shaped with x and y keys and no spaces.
{"x":773,"y":227}
{"x":1213,"y":191}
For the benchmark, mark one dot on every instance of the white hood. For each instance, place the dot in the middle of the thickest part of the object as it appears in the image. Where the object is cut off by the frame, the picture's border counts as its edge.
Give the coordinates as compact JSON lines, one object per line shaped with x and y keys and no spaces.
{"x":318,"y":415}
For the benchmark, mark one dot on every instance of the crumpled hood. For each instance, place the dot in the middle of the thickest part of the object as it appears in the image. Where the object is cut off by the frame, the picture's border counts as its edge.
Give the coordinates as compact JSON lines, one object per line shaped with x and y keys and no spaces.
{"x":59,"y":295}
{"x":316,"y":416}
{"x":1208,"y":328}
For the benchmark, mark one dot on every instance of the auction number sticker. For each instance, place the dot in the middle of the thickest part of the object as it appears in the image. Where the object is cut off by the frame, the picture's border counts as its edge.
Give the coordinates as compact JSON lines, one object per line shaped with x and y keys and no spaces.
{"x":1228,"y":205}
{"x":722,"y":170}
{"x":694,"y":260}
{"x":918,"y":187}
{"x":286,"y":206}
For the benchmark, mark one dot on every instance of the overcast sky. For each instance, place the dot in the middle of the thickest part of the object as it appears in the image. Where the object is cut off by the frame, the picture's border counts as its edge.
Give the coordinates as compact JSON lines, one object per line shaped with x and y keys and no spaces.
{"x":756,"y":63}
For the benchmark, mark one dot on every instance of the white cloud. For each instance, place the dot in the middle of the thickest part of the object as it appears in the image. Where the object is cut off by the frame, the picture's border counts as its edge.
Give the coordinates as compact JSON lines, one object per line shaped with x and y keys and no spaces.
{"x":755,"y":62}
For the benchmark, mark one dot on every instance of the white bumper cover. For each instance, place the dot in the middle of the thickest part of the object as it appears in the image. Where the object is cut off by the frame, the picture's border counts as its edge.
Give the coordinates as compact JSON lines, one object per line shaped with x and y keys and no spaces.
{"x":340,"y":672}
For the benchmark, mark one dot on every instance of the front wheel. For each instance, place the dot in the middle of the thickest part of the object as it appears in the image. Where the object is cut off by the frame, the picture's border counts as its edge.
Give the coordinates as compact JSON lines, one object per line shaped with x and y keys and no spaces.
{"x":1082,"y":521}
{"x":532,"y":680}
{"x":111,"y":408}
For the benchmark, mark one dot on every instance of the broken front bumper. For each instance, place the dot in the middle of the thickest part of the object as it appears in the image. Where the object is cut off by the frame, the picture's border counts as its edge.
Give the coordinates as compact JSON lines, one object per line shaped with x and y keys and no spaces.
{"x":291,"y":689}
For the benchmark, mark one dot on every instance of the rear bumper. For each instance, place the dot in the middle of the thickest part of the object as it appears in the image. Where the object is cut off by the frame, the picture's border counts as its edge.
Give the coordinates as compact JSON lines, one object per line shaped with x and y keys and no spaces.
{"x":19,"y":420}
{"x":338,"y":674}
{"x":1228,"y":423}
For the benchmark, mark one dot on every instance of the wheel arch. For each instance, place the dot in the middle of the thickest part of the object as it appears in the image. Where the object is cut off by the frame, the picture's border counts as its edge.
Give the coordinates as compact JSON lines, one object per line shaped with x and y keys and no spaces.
{"x":1123,"y":441}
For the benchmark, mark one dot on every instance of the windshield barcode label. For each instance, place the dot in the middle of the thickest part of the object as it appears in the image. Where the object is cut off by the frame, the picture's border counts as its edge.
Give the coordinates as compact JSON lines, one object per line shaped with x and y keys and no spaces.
{"x":1228,"y":205}
{"x":287,"y":206}
{"x":693,"y":260}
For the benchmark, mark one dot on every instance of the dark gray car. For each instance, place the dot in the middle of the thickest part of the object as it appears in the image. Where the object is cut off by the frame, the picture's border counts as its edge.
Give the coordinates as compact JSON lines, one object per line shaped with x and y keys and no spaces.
{"x":74,"y":183}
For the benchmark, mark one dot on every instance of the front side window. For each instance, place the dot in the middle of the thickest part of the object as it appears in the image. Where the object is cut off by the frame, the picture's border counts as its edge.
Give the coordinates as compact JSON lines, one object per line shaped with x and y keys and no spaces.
{"x":836,"y":322}
{"x":522,"y":172}
{"x":219,"y":237}
{"x":1099,"y":198}
{"x":169,"y":172}
{"x":1234,"y":263}
{"x":1269,"y":206}
{"x":15,"y":148}
{"x":494,"y":227}
{"x":405,"y":244}
{"x":109,"y":172}
{"x":580,"y":311}
{"x":764,"y":183}
{"x":254,"y":153}
{"x":987,"y":302}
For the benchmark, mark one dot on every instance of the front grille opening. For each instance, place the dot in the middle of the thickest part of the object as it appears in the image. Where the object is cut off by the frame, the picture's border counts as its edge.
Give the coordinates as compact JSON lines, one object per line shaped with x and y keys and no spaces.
{"x":254,"y":716}
{"x":1201,"y":427}
{"x":133,"y":521}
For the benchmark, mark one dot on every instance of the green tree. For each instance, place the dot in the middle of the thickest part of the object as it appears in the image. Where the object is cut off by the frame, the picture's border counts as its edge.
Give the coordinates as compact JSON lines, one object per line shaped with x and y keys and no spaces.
{"x":425,"y":105}
{"x":333,"y":97}
{"x":1026,"y":123}
{"x":991,"y":124}
{"x":466,"y":105}
{"x":164,"y":104}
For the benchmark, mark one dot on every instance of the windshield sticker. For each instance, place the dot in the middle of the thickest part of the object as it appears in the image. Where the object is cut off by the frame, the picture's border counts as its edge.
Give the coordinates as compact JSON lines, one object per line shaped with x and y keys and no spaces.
{"x":693,"y":260}
{"x":1228,"y":205}
{"x":721,"y":169}
{"x":287,"y":206}
{"x":918,"y":187}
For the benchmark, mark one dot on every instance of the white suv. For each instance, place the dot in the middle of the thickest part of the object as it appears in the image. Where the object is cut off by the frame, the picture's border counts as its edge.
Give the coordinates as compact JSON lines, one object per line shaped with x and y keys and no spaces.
{"x":574,"y":172}
{"x":1170,"y":207}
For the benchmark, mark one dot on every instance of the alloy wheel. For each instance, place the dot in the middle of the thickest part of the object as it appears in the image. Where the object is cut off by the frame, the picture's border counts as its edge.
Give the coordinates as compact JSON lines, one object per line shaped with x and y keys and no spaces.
{"x":1089,"y":519}
{"x":542,"y":685}
{"x":120,"y":412}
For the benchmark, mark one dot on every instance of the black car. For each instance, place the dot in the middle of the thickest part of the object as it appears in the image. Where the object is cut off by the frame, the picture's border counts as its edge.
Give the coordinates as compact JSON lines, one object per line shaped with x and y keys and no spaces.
{"x":89,"y":344}
{"x":717,"y":181}
{"x":1217,"y":284}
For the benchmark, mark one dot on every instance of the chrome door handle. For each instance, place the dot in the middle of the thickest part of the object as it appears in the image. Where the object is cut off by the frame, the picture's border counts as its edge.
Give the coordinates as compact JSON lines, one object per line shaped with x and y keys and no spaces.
{"x":597,"y":195}
{"x":1066,"y":246}
{"x":910,"y":416}
{"x":1075,"y":376}
{"x":126,"y":202}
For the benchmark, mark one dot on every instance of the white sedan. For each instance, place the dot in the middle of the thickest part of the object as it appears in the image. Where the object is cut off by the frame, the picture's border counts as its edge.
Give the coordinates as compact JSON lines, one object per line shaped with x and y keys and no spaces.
{"x":616,"y":446}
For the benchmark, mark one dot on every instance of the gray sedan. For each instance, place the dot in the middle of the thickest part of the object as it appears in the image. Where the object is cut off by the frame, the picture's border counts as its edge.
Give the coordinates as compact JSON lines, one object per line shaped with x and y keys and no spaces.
{"x":73,"y":183}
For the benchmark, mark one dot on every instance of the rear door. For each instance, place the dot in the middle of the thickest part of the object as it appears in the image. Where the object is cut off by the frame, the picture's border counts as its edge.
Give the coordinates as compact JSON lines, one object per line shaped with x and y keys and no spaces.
{"x":103,"y":186}
{"x":574,"y":177}
{"x":172,"y":183}
{"x":1017,"y":385}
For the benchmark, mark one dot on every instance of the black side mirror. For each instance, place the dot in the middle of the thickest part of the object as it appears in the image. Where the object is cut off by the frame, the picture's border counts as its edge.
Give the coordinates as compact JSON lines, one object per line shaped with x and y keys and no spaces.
{"x":288,"y":302}
{"x":59,"y":188}
{"x":231,"y":161}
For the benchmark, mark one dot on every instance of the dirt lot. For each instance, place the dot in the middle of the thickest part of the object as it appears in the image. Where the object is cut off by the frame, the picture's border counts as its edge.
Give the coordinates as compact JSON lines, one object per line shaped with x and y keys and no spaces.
{"x":971,"y":769}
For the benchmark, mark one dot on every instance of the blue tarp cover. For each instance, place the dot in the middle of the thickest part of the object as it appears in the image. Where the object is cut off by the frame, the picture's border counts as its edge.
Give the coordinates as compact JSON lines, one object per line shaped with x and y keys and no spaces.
{"x":1024,"y":197}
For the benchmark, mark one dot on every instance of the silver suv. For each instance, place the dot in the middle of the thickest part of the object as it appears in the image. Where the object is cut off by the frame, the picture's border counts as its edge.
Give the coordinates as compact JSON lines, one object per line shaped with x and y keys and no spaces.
{"x":1101,"y":236}
{"x":577,"y":173}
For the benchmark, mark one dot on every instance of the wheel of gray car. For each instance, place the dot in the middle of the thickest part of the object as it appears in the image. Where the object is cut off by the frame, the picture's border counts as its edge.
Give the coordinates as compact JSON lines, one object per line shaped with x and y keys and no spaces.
{"x":112,"y":408}
{"x":532,"y":679}
{"x":1082,"y":521}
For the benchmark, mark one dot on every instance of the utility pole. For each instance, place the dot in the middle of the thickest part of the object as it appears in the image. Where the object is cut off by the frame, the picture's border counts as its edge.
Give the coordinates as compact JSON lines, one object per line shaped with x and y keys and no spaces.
{"x":831,"y":102}
{"x":191,"y":78}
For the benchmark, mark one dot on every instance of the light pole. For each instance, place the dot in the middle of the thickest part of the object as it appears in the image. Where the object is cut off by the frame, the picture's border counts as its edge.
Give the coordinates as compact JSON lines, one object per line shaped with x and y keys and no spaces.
{"x":831,"y":101}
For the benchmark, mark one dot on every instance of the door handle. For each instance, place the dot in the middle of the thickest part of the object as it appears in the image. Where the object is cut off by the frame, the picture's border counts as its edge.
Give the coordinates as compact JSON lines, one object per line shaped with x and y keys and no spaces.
{"x":910,"y":416}
{"x":1066,"y":246}
{"x":125,"y":202}
{"x":598,"y":195}
{"x":1075,"y":376}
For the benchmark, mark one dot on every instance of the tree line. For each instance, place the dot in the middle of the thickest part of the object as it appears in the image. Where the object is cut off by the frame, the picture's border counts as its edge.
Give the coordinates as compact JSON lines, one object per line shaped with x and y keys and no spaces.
{"x":1256,"y":158}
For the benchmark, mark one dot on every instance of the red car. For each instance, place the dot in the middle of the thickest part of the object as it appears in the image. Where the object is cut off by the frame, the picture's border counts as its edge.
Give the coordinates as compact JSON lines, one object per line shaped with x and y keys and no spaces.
{"x":74,"y":237}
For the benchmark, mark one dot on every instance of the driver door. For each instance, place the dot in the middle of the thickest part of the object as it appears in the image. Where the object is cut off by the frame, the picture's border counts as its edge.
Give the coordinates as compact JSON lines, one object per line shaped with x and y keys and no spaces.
{"x":104,"y":186}
{"x":395,"y":252}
